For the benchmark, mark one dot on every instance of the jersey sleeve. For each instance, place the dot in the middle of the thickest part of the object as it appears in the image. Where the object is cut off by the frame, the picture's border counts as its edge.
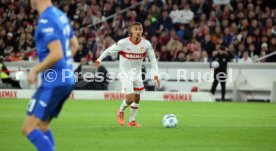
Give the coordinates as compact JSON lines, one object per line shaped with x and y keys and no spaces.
{"x":115,"y":48}
{"x":48,"y":31}
{"x":152,"y":58}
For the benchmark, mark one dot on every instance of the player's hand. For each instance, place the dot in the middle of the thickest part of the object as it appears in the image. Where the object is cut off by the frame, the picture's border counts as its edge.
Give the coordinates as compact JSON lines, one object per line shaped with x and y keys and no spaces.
{"x":97,"y":64}
{"x":157,"y":81}
{"x":32,"y":77}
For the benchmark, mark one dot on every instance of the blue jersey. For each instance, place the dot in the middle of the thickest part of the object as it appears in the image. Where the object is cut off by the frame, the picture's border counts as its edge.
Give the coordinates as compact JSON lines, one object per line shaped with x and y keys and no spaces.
{"x":54,"y":25}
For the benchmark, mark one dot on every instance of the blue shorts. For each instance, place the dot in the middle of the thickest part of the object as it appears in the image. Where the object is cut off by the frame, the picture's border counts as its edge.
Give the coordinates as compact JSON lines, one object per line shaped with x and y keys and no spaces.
{"x":48,"y":101}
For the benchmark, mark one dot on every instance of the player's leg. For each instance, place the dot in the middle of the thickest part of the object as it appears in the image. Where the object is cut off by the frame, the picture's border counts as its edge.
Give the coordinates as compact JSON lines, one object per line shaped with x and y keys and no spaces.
{"x":127,"y":101}
{"x":32,"y":131}
{"x":223,"y":84}
{"x":214,"y":86}
{"x":33,"y":119}
{"x":134,"y":108}
{"x":62,"y":93}
{"x":44,"y":126}
{"x":138,"y":88}
{"x":127,"y":88}
{"x":45,"y":104}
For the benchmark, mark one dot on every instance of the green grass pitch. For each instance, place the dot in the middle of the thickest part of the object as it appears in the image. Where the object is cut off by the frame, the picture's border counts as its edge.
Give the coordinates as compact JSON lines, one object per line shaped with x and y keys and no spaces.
{"x":92,"y":125}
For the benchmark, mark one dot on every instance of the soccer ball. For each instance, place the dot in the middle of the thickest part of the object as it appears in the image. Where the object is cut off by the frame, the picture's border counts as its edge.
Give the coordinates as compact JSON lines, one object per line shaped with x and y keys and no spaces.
{"x":169,"y":121}
{"x":215,"y":64}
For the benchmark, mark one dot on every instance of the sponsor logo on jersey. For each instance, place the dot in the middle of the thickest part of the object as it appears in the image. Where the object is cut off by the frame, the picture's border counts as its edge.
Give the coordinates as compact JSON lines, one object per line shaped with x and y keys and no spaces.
{"x":133,"y":56}
{"x":48,"y":30}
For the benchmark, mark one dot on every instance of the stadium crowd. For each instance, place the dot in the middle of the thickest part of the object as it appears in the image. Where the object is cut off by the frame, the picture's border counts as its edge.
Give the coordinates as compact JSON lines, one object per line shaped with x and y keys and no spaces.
{"x":179,"y":30}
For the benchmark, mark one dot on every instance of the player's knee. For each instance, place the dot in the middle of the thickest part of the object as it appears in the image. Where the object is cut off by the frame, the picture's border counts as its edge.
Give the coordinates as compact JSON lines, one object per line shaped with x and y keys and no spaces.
{"x":26,"y":129}
{"x":137,"y":99}
{"x":30,"y":124}
{"x":130,"y":98}
{"x":43,"y":127}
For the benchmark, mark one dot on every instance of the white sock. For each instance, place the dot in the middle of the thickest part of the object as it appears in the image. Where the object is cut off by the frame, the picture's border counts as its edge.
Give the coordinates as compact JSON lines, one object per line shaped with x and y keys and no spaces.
{"x":133,"y":111}
{"x":123,"y":106}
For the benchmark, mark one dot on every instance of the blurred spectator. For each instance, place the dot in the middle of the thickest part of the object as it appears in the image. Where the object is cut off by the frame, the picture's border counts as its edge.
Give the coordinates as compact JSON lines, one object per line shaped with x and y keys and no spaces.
{"x":245,"y":58}
{"x":264,"y":48}
{"x":204,"y":56}
{"x":194,"y":47}
{"x":239,"y":26}
{"x":186,"y":15}
{"x":180,"y":56}
{"x":83,"y":62}
{"x":164,"y":54}
{"x":175,"y":15}
{"x":208,"y":46}
{"x":3,"y":48}
{"x":252,"y":51}
{"x":166,"y":21}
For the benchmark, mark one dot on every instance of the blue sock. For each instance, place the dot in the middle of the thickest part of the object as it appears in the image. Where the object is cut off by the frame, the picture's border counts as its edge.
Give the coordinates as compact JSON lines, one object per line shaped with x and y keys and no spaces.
{"x":49,"y":134}
{"x":41,"y":142}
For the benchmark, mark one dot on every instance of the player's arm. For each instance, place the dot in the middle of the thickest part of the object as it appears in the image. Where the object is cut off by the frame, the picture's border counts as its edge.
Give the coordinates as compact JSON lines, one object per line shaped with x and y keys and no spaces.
{"x":115,"y":48}
{"x":154,"y":65}
{"x":55,"y":54}
{"x":74,"y":45}
{"x":53,"y":57}
{"x":214,"y":55}
{"x":51,"y":39}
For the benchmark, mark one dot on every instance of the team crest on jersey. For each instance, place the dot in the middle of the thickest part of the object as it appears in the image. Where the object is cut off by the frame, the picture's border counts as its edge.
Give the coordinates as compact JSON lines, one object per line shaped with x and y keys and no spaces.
{"x":142,"y":48}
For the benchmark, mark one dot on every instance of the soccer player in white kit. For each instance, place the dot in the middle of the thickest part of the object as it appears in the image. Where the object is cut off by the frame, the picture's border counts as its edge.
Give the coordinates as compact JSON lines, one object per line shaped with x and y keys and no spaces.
{"x":132,"y":51}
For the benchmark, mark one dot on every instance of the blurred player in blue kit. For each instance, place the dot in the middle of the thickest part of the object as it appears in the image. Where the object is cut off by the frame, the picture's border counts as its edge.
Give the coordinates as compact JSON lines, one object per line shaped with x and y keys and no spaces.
{"x":55,"y":46}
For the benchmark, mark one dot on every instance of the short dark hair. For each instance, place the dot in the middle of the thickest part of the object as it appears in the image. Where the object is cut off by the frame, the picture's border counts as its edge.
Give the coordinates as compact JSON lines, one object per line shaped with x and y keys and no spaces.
{"x":136,"y":23}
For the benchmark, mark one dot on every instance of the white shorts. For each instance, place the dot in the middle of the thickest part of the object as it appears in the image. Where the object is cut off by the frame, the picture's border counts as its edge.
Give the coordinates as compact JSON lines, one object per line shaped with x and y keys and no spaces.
{"x":130,"y":86}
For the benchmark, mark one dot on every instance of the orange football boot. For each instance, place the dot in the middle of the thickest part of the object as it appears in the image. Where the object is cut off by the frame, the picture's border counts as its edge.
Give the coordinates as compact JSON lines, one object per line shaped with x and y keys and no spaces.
{"x":133,"y":124}
{"x":120,"y":118}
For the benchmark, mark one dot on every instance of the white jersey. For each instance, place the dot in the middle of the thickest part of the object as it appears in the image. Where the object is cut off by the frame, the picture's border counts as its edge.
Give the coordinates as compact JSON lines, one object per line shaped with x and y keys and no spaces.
{"x":131,"y":57}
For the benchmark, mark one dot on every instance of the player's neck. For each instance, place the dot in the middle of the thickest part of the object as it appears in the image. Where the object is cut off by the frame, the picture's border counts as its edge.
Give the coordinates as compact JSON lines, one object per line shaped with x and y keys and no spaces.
{"x":41,"y":7}
{"x":135,"y":40}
